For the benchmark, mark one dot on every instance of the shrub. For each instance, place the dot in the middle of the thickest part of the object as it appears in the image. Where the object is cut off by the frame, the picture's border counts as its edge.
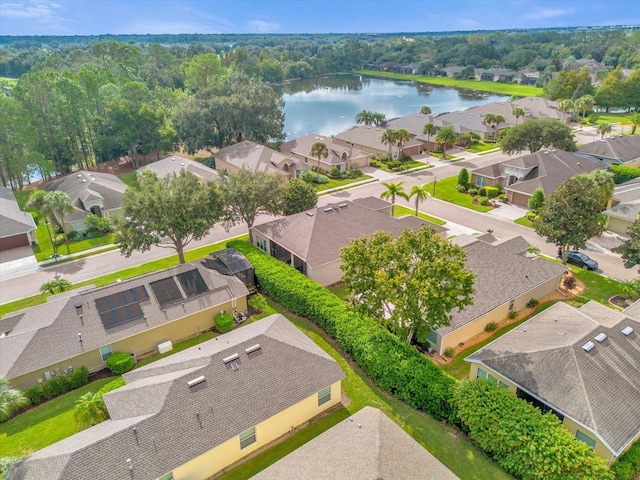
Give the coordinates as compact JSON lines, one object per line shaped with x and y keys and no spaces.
{"x":473,"y":191}
{"x":335,"y":173}
{"x":119,"y":362}
{"x":258,"y":303}
{"x":569,"y":282}
{"x":58,"y":385}
{"x":530,"y":215}
{"x":513,"y":314}
{"x":93,"y":233}
{"x":374,"y":163}
{"x":482,"y":191}
{"x":628,"y":464}
{"x":464,"y":177}
{"x":622,"y":173}
{"x":224,"y":322}
{"x":395,"y":366}
{"x":101,"y":224}
{"x":484,"y":201}
{"x":533,"y":302}
{"x":450,"y":352}
{"x":312,"y":177}
{"x":34,"y":394}
{"x":461,"y":188}
{"x":78,"y":377}
{"x":393,"y":164}
{"x":491,"y":327}
{"x":74,"y":236}
{"x":503,"y":198}
{"x":492,"y":192}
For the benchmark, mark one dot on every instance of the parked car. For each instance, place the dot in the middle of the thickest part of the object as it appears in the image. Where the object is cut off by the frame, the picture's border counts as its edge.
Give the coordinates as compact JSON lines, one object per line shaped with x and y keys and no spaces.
{"x":581,"y":260}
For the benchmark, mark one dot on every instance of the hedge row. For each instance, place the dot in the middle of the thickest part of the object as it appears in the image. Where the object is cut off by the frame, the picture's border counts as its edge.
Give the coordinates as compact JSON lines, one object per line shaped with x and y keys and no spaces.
{"x":623,"y":173}
{"x":525,"y":442}
{"x":629,"y":464}
{"x":57,"y":385}
{"x":395,"y":366}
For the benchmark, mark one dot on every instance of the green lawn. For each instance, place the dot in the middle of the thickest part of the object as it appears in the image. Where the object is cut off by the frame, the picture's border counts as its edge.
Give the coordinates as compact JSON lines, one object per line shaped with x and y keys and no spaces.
{"x":44,"y":249}
{"x":493,"y":87}
{"x":524,"y":221}
{"x":445,"y":189}
{"x":43,"y":425}
{"x":401,"y":211}
{"x":481,"y":147}
{"x":450,"y":446}
{"x":599,"y":288}
{"x":341,"y":182}
{"x":130,"y":179}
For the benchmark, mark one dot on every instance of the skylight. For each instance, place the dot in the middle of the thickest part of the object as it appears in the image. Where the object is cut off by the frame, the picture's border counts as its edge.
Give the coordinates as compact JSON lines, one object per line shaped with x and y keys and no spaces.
{"x":601,"y":337}
{"x":587,"y":347}
{"x":627,"y":331}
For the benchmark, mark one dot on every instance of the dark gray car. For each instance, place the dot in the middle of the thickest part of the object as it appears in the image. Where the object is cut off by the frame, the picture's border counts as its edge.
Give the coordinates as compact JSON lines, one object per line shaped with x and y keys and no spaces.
{"x":581,"y":260}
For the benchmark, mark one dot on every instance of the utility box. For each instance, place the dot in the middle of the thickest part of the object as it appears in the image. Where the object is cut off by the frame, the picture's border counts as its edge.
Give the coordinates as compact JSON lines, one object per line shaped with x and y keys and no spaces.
{"x":165,"y":347}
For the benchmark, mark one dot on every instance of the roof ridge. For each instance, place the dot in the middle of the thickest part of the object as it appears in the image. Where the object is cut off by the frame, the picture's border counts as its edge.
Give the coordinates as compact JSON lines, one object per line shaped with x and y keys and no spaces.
{"x":584,"y":390}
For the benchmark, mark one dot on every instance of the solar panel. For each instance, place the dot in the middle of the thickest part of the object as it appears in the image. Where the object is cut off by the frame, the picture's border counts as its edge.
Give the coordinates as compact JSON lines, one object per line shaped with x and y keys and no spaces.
{"x":192,"y":283}
{"x":121,"y":307}
{"x":166,"y":292}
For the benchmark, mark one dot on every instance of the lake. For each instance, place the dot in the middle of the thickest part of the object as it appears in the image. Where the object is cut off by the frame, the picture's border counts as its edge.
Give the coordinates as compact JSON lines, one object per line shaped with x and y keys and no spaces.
{"x":328,"y":105}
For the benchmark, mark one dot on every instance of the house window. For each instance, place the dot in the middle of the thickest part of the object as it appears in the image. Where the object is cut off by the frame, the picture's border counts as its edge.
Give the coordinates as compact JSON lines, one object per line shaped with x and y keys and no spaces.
{"x":480,"y":373}
{"x":324,"y":396}
{"x":248,"y":437}
{"x":261,"y":243}
{"x":167,"y":476}
{"x":105,"y":352}
{"x":481,"y":181}
{"x":583,"y":438}
{"x":511,"y":303}
{"x":432,"y":338}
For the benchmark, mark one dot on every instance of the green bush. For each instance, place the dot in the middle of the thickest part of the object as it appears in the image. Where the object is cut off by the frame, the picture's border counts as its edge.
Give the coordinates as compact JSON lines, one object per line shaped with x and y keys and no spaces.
{"x":34,"y":394}
{"x":393,"y":164}
{"x":461,"y":188}
{"x":472,"y":191}
{"x":628,"y":464}
{"x":374,"y":163}
{"x":258,"y":303}
{"x":503,"y":198}
{"x":395,"y":366}
{"x":492,"y":192}
{"x":524,"y":441}
{"x":484,"y":201}
{"x":622,"y":173}
{"x":335,"y":173}
{"x":491,"y":327}
{"x":224,"y":322}
{"x":119,"y":362}
{"x":482,"y":191}
{"x":533,"y":302}
{"x":57,"y":385}
{"x":513,"y":314}
{"x":93,"y":233}
{"x":449,"y":352}
{"x":530,"y":215}
{"x":312,"y":177}
{"x":101,"y":224}
{"x":464,"y":177}
{"x":74,"y":236}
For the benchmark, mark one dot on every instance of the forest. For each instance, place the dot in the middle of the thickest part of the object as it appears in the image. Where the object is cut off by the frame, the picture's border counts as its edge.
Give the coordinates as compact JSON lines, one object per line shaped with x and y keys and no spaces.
{"x":73,"y":102}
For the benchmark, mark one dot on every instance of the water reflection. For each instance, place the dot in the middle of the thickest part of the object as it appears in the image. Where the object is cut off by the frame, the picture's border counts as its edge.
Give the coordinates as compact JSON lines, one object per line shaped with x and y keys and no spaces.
{"x":328,"y":105}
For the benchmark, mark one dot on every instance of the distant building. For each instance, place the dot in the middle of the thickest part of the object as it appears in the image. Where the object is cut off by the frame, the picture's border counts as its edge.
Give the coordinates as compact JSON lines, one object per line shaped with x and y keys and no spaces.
{"x":17,"y":228}
{"x":254,"y":157}
{"x":174,"y":164}
{"x":615,"y":150}
{"x":340,"y":156}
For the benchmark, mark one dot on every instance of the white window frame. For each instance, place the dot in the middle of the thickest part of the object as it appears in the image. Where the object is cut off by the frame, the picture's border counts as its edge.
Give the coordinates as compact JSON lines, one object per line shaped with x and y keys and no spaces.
{"x":248,"y":437}
{"x":324,"y":395}
{"x":104,"y":354}
{"x":586,"y":439}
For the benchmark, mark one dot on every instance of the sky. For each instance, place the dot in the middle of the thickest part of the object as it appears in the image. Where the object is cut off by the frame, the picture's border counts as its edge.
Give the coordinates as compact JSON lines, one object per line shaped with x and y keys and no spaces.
{"x":96,"y":17}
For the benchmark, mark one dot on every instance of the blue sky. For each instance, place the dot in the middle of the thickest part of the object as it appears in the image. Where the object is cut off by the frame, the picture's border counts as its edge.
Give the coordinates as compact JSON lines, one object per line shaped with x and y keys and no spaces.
{"x":94,"y":17}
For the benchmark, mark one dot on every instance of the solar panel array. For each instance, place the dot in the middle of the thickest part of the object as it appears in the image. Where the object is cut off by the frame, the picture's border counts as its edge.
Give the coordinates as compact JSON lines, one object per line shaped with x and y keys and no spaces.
{"x":192,"y":283}
{"x":166,"y":291}
{"x":121,"y":307}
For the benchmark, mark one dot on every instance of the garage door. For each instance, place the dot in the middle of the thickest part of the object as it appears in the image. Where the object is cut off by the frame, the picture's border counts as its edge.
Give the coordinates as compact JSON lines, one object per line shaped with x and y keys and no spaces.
{"x":16,"y":241}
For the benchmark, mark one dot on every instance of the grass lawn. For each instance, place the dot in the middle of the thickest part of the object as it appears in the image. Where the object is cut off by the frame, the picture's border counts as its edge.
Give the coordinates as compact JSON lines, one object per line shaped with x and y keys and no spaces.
{"x":341,"y":182}
{"x":524,"y":221}
{"x":450,"y":446}
{"x":445,"y":189}
{"x":44,"y":249}
{"x":599,"y":288}
{"x":130,"y":179}
{"x":481,"y":147}
{"x":339,"y":290}
{"x":401,"y":211}
{"x":43,"y":425}
{"x":493,"y":87}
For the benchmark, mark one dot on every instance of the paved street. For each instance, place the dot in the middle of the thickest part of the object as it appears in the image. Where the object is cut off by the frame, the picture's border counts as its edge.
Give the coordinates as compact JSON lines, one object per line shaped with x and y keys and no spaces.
{"x":460,"y":220}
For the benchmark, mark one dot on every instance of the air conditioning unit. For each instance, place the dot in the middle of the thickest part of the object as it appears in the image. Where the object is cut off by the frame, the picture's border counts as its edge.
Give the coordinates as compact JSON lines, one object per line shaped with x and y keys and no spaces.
{"x":165,"y":347}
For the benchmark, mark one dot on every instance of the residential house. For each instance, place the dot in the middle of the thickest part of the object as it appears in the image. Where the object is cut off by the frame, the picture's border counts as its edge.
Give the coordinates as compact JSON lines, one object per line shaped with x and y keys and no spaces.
{"x":521,"y":176}
{"x":254,"y":157}
{"x":464,"y":122}
{"x":192,"y":414}
{"x":133,"y":316}
{"x":368,"y":139}
{"x":624,"y":206}
{"x":174,"y":164}
{"x":414,"y":124}
{"x":340,"y":156}
{"x":311,"y":241}
{"x":528,"y":77}
{"x":507,"y":277}
{"x":91,"y":193}
{"x":538,"y":107}
{"x":581,"y":364}
{"x":615,"y":150}
{"x":368,"y":445}
{"x":17,"y":228}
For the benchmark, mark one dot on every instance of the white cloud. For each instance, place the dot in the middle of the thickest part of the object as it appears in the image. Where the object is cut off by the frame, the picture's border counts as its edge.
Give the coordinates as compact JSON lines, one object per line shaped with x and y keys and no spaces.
{"x":42,"y":16}
{"x":541,"y":14}
{"x":29,"y":9}
{"x":259,"y":26}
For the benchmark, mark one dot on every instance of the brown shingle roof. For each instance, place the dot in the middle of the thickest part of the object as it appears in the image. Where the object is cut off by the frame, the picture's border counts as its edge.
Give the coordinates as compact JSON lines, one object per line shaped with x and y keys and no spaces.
{"x":254,"y":157}
{"x":83,"y":186}
{"x":302,"y":148}
{"x":174,"y":164}
{"x":617,"y":149}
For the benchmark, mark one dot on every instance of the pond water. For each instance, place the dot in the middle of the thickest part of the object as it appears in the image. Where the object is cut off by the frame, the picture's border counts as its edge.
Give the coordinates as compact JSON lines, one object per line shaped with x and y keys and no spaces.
{"x":328,"y":105}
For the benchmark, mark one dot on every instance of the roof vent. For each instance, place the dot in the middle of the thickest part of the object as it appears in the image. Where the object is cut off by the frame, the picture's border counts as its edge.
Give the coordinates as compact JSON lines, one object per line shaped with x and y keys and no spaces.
{"x":234,"y":366}
{"x":327,"y":209}
{"x":310,"y":214}
{"x":587,"y":347}
{"x":626,"y":331}
{"x":601,"y":337}
{"x":231,"y":358}
{"x":342,"y":205}
{"x":79,"y":176}
{"x":195,"y":381}
{"x":252,"y":348}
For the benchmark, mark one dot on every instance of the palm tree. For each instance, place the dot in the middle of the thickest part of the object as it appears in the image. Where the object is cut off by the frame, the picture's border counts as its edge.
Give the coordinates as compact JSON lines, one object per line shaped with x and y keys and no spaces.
{"x":518,"y":112}
{"x":425,"y":110}
{"x":10,"y":400}
{"x":565,"y":106}
{"x":492,"y":120}
{"x":56,"y":206}
{"x":392,"y":191}
{"x":428,"y":130}
{"x":633,"y":119}
{"x":584,"y":103}
{"x":603,"y":128}
{"x":378,"y":118}
{"x":421,"y":194}
{"x":365,"y":116}
{"x":90,"y":410}
{"x":606,"y":184}
{"x":388,"y":137}
{"x":446,"y":136}
{"x":402,"y":137}
{"x":319,"y":150}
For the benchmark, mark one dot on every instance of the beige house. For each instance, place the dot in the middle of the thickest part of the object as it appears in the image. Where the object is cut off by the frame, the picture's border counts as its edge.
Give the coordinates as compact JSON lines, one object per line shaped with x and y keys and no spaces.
{"x":90,"y":193}
{"x":521,"y":176}
{"x":134,"y":316}
{"x":366,"y":446}
{"x":311,"y":241}
{"x":507,"y":277}
{"x":174,"y":164}
{"x":252,"y":156}
{"x":192,"y":414}
{"x":581,"y":364}
{"x":414,"y":124}
{"x":368,"y":138}
{"x":342,"y":157}
{"x":17,"y":228}
{"x":624,"y":207}
{"x":616,"y":150}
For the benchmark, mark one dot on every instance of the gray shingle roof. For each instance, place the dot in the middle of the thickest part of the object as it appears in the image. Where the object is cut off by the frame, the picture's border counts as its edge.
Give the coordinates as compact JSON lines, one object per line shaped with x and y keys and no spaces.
{"x":367,"y":446}
{"x":502,"y":273}
{"x":369,"y":137}
{"x":255,"y":157}
{"x":599,"y":389}
{"x":13,"y":221}
{"x":48,"y":334}
{"x":174,"y":164}
{"x":83,"y":186}
{"x":185,"y":422}
{"x":302,"y":148}
{"x":318,"y":238}
{"x":617,"y":149}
